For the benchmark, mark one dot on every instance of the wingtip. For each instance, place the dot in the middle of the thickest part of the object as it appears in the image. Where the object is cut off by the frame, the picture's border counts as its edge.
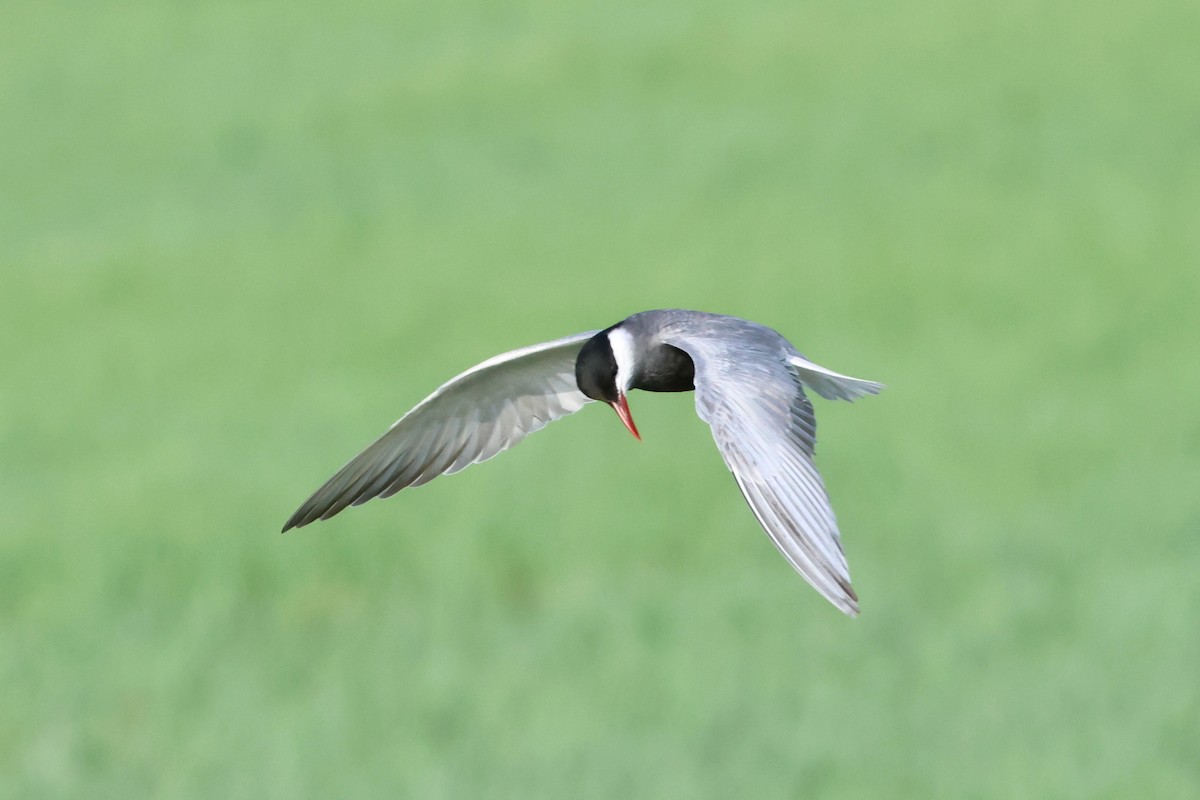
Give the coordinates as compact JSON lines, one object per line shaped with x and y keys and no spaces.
{"x":848,"y":603}
{"x":295,"y":521}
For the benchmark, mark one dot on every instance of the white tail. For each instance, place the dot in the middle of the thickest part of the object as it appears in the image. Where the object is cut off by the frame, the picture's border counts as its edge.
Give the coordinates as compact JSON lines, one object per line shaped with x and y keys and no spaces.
{"x":829,"y":384}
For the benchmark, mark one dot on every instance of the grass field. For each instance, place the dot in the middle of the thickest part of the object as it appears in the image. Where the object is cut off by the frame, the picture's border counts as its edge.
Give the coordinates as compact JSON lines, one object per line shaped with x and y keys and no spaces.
{"x":238,"y":240}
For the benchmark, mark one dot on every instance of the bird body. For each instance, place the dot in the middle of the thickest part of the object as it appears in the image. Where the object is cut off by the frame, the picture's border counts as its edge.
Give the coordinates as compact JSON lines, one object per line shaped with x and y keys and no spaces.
{"x":749,"y":383}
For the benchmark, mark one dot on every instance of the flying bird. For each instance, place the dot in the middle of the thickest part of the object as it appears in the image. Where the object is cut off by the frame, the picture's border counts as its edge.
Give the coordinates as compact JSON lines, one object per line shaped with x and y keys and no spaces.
{"x":749,"y":383}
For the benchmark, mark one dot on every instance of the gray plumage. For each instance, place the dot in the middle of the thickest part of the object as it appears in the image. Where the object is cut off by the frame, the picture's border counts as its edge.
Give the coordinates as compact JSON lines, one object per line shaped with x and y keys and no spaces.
{"x":749,"y":389}
{"x":470,"y":418}
{"x":749,"y":384}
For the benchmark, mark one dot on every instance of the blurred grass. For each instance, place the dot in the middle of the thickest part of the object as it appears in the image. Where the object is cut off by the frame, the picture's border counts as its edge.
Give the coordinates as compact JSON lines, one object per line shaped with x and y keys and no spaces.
{"x":238,"y":240}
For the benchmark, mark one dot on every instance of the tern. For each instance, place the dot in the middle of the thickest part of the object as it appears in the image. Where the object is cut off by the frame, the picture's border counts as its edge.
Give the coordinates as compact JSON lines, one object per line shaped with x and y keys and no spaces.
{"x":749,"y":383}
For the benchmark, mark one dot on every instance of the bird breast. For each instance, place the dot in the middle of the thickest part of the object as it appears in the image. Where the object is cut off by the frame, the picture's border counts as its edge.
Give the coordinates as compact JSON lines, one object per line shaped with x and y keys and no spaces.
{"x":665,"y":369}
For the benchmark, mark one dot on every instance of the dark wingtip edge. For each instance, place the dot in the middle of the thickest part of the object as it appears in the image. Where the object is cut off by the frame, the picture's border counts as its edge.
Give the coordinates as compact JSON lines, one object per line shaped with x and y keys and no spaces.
{"x":850,"y":608}
{"x":295,"y":521}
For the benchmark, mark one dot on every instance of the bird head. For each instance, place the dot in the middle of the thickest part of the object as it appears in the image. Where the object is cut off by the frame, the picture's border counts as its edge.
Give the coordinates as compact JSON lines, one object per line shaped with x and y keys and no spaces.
{"x":604,"y":370}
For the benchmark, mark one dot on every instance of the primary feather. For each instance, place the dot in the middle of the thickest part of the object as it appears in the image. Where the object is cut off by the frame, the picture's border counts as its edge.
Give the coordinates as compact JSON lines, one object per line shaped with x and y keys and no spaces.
{"x":470,"y":418}
{"x":749,"y":389}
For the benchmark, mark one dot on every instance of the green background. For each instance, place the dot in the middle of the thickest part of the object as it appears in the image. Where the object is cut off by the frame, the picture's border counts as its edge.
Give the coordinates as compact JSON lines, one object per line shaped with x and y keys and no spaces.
{"x":237,"y":240}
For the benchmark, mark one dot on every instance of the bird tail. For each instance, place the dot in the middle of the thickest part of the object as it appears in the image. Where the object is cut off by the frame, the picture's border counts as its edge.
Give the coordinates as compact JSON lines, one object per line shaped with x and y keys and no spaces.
{"x":829,"y":384}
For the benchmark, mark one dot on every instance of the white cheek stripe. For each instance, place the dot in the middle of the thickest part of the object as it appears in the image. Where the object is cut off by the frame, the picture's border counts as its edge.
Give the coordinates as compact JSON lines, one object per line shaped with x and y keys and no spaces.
{"x":621,"y":342}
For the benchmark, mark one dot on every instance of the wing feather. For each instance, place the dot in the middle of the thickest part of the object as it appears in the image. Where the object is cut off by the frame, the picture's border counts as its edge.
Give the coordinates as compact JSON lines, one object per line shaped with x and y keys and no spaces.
{"x":470,"y":418}
{"x":749,"y":390}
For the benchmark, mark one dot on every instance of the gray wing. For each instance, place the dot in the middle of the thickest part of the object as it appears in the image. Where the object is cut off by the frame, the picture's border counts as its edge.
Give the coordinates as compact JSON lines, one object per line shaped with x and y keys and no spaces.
{"x":470,"y":418}
{"x":750,"y":393}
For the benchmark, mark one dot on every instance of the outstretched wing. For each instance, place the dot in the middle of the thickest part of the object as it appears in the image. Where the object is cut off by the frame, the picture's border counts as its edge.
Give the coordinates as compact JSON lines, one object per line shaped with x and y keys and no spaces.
{"x":749,"y":392}
{"x":471,"y":418}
